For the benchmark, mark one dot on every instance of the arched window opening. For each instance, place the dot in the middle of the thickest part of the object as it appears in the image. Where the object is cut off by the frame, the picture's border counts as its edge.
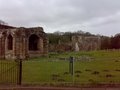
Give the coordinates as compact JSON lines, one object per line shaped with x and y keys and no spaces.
{"x":33,"y":42}
{"x":10,"y":42}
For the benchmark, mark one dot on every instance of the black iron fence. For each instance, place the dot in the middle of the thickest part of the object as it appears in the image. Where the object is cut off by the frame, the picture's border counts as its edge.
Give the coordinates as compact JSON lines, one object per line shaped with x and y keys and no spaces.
{"x":10,"y":72}
{"x":68,"y":72}
{"x":71,"y":71}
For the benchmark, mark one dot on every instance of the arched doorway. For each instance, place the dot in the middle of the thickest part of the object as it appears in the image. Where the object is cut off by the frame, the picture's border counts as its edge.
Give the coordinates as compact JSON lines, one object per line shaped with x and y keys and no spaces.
{"x":10,"y":42}
{"x":33,"y":42}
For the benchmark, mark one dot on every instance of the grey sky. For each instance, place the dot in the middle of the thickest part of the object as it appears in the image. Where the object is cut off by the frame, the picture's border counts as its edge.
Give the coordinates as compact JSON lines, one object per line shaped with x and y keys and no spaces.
{"x":95,"y":16}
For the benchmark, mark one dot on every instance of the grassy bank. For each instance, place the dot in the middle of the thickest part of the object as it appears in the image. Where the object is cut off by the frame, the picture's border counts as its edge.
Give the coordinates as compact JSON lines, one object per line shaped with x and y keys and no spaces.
{"x":103,"y":67}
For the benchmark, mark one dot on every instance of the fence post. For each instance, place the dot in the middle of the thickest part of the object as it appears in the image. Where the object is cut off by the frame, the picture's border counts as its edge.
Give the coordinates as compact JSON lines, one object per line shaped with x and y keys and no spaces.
{"x":20,"y":72}
{"x":71,"y":66}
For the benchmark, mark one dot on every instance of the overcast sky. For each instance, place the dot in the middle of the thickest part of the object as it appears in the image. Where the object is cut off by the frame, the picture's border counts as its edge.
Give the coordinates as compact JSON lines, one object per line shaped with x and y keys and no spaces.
{"x":95,"y":16}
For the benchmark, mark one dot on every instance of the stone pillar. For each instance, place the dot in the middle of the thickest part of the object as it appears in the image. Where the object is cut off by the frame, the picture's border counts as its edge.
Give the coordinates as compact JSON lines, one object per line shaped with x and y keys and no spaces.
{"x":2,"y":48}
{"x":40,"y":45}
{"x":45,"y":46}
{"x":23,"y":48}
{"x":6,"y":45}
{"x":26,"y":47}
{"x":17,"y":50}
{"x":20,"y":47}
{"x":14,"y":48}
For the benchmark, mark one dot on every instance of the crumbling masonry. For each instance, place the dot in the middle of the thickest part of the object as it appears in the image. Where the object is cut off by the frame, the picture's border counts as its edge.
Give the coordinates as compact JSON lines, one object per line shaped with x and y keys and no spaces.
{"x":86,"y":43}
{"x":22,"y":43}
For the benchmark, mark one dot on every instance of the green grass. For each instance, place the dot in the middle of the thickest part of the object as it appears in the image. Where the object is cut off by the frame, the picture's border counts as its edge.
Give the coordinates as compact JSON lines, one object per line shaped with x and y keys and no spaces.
{"x":96,"y":54}
{"x":42,"y":69}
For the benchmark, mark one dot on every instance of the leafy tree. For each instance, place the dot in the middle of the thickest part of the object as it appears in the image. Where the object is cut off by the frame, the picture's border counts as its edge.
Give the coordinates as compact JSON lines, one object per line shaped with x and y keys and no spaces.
{"x":105,"y":42}
{"x":115,"y":41}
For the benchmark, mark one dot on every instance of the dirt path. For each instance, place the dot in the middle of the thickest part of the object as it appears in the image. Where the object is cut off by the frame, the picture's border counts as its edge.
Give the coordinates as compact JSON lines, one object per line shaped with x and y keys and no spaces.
{"x":55,"y":88}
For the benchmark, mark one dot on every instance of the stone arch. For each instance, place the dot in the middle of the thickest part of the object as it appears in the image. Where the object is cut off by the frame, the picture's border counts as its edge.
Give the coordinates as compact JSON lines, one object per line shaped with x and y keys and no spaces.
{"x":10,"y":42}
{"x":33,"y":42}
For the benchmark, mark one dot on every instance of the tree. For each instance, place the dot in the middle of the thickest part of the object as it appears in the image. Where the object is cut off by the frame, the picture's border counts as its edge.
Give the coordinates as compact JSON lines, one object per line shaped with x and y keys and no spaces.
{"x":105,"y":42}
{"x":116,"y":41}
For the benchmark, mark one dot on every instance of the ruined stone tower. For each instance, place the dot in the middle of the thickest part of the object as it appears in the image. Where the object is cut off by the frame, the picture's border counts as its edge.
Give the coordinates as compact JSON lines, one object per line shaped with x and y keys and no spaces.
{"x":22,"y":43}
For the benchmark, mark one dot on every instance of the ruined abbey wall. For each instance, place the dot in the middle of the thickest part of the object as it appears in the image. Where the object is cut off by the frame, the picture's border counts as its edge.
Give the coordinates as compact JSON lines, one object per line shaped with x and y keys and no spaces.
{"x":22,"y":43}
{"x":86,"y":43}
{"x":77,"y":43}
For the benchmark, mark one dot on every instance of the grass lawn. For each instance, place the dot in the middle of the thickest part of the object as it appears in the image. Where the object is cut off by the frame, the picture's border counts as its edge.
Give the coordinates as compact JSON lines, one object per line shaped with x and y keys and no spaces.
{"x":103,"y":67}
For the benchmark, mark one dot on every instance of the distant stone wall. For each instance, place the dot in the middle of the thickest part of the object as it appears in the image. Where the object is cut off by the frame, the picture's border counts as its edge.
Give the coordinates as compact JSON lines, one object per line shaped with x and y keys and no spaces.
{"x":60,"y":47}
{"x":86,"y":43}
{"x":78,"y":43}
{"x":23,"y":43}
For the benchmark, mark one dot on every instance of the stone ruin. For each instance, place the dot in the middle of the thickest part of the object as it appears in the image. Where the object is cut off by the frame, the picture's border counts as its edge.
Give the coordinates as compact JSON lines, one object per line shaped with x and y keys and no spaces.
{"x":22,"y":43}
{"x":86,"y":43}
{"x":78,"y":43}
